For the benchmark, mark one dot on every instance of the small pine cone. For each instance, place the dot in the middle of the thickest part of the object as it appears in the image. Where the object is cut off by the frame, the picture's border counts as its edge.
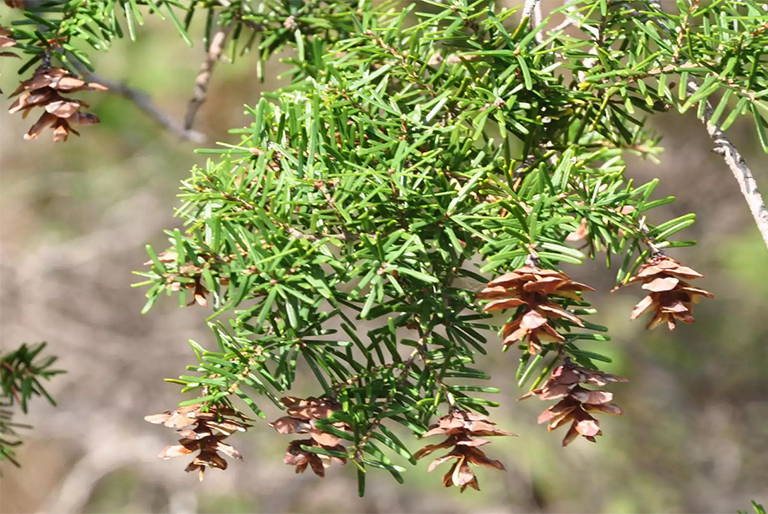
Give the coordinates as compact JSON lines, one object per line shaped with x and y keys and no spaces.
{"x":461,"y":427}
{"x":44,"y":90}
{"x":671,"y":298}
{"x":199,"y":293}
{"x":203,"y":432}
{"x":576,"y":402}
{"x":297,"y":456}
{"x":532,"y":287}
{"x":301,"y":419}
{"x":18,"y":4}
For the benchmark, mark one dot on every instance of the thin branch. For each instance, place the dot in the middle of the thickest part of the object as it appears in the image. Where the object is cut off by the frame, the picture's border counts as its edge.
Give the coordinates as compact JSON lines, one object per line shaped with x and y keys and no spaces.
{"x":648,"y":240}
{"x":143,"y":102}
{"x":401,"y":378}
{"x":732,"y":158}
{"x":200,"y":94}
{"x":528,"y":8}
{"x":537,"y":20}
{"x":738,"y":167}
{"x":532,"y":12}
{"x":568,"y":21}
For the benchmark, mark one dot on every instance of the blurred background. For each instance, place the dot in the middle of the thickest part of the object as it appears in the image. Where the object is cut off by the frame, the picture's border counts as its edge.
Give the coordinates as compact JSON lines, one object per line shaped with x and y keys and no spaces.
{"x":74,"y":220}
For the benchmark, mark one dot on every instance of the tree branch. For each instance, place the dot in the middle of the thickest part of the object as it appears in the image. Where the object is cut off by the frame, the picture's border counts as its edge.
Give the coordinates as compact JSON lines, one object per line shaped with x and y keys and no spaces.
{"x":532,"y":11}
{"x":200,"y":94}
{"x":529,"y":7}
{"x":738,"y":167}
{"x":732,"y":157}
{"x":143,"y":102}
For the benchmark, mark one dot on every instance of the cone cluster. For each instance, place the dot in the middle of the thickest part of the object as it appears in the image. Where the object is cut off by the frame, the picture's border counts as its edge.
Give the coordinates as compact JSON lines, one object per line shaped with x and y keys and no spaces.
{"x":577,"y":403}
{"x":535,"y":290}
{"x":463,"y":429}
{"x":45,"y":89}
{"x":302,"y":417}
{"x":671,"y":299}
{"x":202,"y":432}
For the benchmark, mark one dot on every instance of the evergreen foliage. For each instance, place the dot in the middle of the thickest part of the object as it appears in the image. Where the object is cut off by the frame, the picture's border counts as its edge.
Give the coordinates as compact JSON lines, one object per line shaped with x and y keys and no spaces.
{"x":419,"y":152}
{"x":21,"y":373}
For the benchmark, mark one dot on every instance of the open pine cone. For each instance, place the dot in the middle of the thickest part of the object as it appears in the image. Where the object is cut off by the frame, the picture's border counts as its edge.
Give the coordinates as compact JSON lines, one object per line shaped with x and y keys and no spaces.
{"x":301,"y":419}
{"x":461,"y":427}
{"x":532,"y":287}
{"x":44,"y":89}
{"x":203,"y":432}
{"x":576,"y":402}
{"x":671,"y":298}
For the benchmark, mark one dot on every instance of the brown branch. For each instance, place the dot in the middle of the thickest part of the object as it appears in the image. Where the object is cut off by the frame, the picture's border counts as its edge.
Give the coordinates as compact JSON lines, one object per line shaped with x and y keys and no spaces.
{"x":532,"y":11}
{"x":200,"y":94}
{"x":360,"y":376}
{"x":738,"y":167}
{"x":732,"y":158}
{"x":143,"y":102}
{"x":648,"y":240}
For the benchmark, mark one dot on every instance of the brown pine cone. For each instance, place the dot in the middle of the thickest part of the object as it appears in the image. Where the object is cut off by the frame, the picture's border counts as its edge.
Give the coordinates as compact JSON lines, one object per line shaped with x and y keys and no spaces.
{"x":301,"y":419}
{"x":461,"y":427}
{"x":671,"y":298}
{"x":203,"y":432}
{"x":576,"y":402}
{"x":44,"y":90}
{"x":532,"y":287}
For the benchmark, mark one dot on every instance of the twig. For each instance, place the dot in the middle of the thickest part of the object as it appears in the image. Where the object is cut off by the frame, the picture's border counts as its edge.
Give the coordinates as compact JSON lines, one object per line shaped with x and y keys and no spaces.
{"x":568,"y":21}
{"x":537,"y":21}
{"x":528,"y":9}
{"x":200,"y":94}
{"x":366,"y":374}
{"x":143,"y":102}
{"x":738,"y":166}
{"x":402,"y":377}
{"x":733,"y":159}
{"x":532,"y":12}
{"x":648,"y":240}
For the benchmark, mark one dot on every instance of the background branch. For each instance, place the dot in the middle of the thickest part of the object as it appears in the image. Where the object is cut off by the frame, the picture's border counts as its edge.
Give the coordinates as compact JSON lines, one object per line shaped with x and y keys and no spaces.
{"x":143,"y":102}
{"x":532,"y":11}
{"x":738,"y":167}
{"x":200,"y":94}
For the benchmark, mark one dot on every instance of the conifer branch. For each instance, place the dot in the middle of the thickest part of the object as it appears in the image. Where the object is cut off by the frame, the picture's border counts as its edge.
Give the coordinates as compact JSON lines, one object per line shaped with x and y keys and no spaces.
{"x":203,"y":78}
{"x":145,"y":104}
{"x":738,"y":166}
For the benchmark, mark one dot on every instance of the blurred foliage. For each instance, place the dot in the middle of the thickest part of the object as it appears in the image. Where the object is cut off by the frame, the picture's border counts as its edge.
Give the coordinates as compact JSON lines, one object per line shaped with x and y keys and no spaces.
{"x":21,"y":372}
{"x":759,"y":509}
